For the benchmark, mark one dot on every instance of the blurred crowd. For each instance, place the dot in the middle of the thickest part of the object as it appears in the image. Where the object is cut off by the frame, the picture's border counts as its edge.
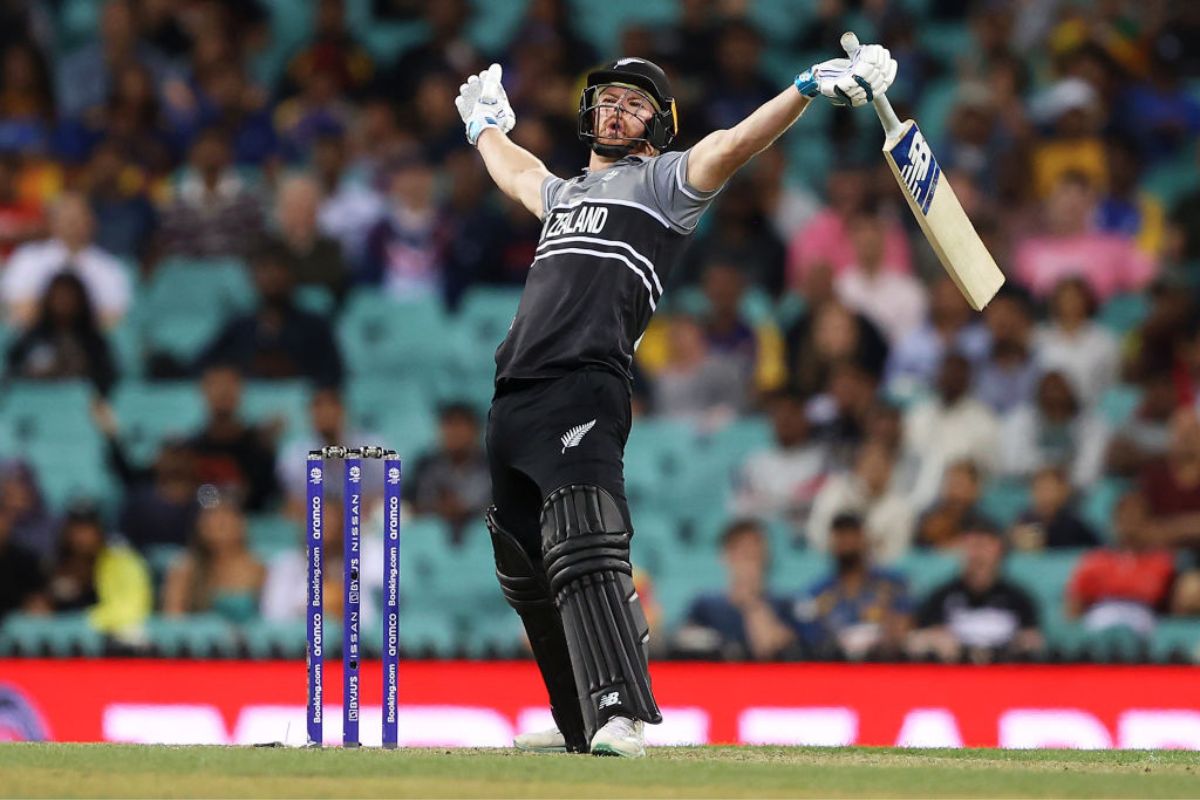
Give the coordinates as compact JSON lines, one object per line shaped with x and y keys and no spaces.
{"x":329,"y":163}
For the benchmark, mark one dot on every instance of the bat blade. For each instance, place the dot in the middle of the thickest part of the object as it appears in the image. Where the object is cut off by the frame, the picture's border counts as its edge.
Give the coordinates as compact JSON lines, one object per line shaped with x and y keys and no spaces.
{"x":941,"y":216}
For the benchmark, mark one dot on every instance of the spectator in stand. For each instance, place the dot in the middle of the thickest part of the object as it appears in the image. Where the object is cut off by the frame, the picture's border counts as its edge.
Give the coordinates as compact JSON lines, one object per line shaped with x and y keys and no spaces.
{"x":473,"y":227}
{"x":978,"y":616}
{"x":1007,"y":376}
{"x":841,"y":415}
{"x":867,"y":492}
{"x":950,"y":327}
{"x":434,"y":118}
{"x":70,"y":249}
{"x":333,"y":51}
{"x":328,"y":425}
{"x":745,"y":621}
{"x":231,"y":454}
{"x":1126,"y":586}
{"x":217,"y":574}
{"x":226,"y":101}
{"x":949,"y":427}
{"x":64,"y":342}
{"x":1070,"y":148}
{"x":312,"y":258}
{"x":828,"y":335}
{"x":34,"y":528}
{"x":1153,"y":348}
{"x":349,"y":205}
{"x":783,"y":480}
{"x":737,"y":86}
{"x":1146,"y":435}
{"x":26,"y":103}
{"x":860,"y":610}
{"x":1069,"y":247}
{"x":826,"y":239}
{"x":759,"y":348}
{"x":94,"y":574}
{"x":1053,"y":431}
{"x":738,"y":234}
{"x":1127,"y":210}
{"x":118,"y":193}
{"x":404,"y":253}
{"x":1073,"y":343}
{"x":22,"y":580}
{"x":448,"y":48}
{"x":697,"y":384}
{"x":942,"y":524}
{"x":319,"y":106}
{"x":1171,"y":488}
{"x":86,"y":76}
{"x":452,"y":481}
{"x":213,"y":213}
{"x":892,"y":300}
{"x":278,"y":340}
{"x":1167,"y":113}
{"x":132,"y":120}
{"x":1051,"y":520}
{"x":21,"y":219}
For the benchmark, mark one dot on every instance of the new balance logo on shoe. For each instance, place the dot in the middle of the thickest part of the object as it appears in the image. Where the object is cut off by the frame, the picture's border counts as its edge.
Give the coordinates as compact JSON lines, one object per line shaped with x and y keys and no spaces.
{"x":610,"y":699}
{"x":575,"y":435}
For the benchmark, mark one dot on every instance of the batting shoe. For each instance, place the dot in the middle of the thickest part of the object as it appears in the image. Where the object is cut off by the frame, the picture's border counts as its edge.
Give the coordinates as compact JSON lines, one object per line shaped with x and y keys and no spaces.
{"x":620,"y":736}
{"x":548,"y":741}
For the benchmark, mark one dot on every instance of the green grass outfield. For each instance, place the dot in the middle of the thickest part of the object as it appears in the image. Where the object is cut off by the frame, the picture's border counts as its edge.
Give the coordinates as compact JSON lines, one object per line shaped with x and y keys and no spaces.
{"x":80,"y":770}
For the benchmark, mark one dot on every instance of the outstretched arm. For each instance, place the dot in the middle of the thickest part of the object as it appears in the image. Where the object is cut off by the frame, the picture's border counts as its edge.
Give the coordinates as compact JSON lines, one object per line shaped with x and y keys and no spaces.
{"x":484,"y":108}
{"x":517,"y":172}
{"x":854,"y":82}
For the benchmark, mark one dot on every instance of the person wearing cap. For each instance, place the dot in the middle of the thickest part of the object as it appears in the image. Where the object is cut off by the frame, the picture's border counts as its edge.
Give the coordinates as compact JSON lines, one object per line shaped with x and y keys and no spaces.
{"x":979,"y":615}
{"x":560,"y":416}
{"x":858,"y":610}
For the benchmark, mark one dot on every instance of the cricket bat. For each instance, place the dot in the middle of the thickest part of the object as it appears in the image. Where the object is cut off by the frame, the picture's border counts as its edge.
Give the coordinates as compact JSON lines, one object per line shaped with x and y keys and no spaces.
{"x":934,"y":203}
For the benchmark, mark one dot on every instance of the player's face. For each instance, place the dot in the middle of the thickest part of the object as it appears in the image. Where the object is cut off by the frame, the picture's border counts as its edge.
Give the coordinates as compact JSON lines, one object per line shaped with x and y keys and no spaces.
{"x":621,"y":114}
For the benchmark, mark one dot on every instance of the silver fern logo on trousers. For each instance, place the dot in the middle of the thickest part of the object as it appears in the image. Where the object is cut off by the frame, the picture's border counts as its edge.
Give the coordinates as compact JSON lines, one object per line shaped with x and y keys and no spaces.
{"x":575,"y":435}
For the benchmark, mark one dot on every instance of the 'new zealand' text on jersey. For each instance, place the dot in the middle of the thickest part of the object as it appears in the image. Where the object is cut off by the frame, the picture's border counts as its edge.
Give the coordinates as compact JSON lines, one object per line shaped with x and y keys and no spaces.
{"x":609,"y":240}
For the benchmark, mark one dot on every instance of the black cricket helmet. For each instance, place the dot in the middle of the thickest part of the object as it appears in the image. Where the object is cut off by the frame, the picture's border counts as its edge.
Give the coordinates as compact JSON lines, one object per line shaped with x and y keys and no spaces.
{"x":643,"y":76}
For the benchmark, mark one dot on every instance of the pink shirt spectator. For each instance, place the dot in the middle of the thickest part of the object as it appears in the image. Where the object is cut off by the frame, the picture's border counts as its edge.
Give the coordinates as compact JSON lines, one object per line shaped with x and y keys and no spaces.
{"x":1110,"y":264}
{"x":825,"y":240}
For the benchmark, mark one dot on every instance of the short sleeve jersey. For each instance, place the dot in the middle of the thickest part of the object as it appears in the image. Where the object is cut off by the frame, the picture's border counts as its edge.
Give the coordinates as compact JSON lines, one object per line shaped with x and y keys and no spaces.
{"x":609,"y":240}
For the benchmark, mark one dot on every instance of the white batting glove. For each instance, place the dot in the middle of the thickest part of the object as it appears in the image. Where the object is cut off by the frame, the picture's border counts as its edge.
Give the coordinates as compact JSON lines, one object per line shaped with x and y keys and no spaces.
{"x":482,"y":104}
{"x":850,"y":81}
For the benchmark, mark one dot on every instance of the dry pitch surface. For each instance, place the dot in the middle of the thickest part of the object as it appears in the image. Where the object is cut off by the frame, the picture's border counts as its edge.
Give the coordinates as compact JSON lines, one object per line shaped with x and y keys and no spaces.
{"x":78,"y":770}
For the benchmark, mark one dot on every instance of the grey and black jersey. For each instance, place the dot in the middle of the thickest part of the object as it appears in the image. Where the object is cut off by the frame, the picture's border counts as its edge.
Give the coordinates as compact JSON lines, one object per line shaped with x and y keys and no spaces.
{"x":609,"y":240}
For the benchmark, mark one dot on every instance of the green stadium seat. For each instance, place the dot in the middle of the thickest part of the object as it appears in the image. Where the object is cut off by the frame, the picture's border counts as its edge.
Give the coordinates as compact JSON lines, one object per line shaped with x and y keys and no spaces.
{"x":1124,"y":312}
{"x":268,"y":535}
{"x":316,"y":300}
{"x":1118,"y":403}
{"x":378,"y":334}
{"x":188,"y":286}
{"x":1004,"y":500}
{"x":282,"y":402}
{"x":1176,"y":636}
{"x":1099,"y":502}
{"x":59,"y":635}
{"x":486,"y":313}
{"x":274,"y":638}
{"x":926,"y":570}
{"x":160,"y":558}
{"x":194,"y":636}
{"x":148,"y":413}
{"x":795,"y":570}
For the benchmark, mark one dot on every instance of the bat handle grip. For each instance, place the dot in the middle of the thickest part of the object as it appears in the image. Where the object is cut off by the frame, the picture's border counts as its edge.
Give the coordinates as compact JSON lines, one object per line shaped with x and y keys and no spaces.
{"x":887,"y":115}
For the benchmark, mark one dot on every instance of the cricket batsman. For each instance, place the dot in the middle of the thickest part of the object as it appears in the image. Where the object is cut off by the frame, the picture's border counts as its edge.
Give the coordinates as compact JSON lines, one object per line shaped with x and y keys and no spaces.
{"x":560,"y":416}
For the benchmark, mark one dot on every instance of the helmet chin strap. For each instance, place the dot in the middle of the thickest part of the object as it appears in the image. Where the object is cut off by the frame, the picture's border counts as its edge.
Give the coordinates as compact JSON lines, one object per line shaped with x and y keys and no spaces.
{"x":614,"y":150}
